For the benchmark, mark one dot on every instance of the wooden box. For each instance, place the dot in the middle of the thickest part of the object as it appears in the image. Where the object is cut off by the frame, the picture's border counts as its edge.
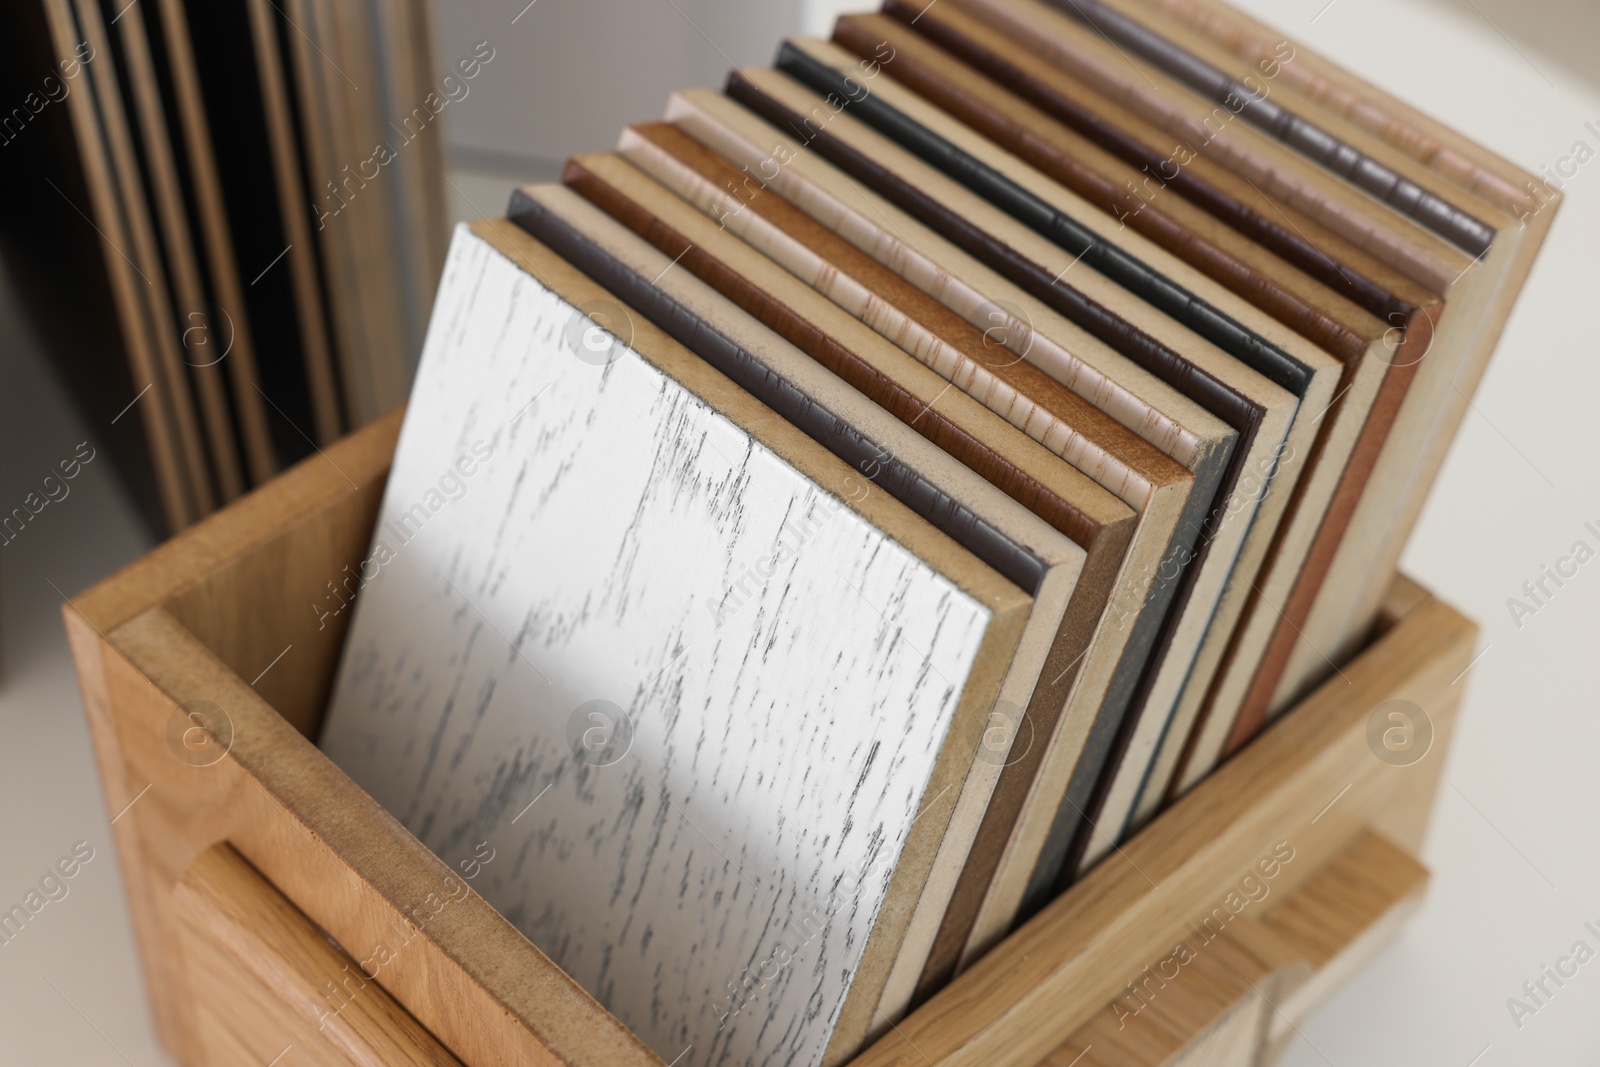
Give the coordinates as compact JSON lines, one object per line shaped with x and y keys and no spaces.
{"x":284,"y":918}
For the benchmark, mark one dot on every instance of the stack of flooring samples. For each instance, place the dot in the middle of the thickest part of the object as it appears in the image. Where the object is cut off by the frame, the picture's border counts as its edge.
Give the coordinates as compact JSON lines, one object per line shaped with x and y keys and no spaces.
{"x":827,"y":525}
{"x":234,"y":221}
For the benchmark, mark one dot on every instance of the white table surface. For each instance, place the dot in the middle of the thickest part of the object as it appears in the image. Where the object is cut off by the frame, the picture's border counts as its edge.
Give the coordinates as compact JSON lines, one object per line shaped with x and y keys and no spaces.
{"x":1516,"y":866}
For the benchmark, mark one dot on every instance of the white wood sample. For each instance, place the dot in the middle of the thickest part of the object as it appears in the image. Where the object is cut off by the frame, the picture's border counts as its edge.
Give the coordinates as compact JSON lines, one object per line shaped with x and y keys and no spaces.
{"x":692,"y":698}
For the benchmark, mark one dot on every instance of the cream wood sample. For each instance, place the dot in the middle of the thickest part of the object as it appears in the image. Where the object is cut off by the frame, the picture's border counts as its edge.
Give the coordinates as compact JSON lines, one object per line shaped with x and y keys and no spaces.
{"x":754,"y":800}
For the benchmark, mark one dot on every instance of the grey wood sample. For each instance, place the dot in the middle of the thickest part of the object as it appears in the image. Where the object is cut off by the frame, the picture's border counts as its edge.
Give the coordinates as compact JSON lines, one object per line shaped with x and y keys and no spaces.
{"x":636,"y":633}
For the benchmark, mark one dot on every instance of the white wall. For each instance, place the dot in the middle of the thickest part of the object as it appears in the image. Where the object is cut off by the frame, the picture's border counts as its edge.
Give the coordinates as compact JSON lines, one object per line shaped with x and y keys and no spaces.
{"x":567,"y":75}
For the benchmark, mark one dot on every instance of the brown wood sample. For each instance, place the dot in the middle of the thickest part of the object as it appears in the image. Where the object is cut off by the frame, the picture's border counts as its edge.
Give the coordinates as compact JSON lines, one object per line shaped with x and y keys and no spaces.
{"x":1323,"y":317}
{"x":1167,"y":168}
{"x":1210,"y":624}
{"x":1220,"y":192}
{"x":986,"y":300}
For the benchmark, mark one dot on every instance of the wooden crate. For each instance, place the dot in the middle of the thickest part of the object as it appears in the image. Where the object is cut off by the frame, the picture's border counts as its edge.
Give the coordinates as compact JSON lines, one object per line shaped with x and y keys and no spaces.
{"x":281,"y":912}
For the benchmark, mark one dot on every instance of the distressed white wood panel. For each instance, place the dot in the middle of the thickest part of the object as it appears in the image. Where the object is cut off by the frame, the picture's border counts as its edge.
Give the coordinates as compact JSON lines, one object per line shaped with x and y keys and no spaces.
{"x":708,"y":855}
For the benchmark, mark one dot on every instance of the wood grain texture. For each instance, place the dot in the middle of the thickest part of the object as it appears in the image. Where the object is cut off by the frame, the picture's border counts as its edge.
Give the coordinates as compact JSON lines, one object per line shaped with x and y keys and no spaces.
{"x":1290,"y":361}
{"x":832,"y":264}
{"x":1211,"y":1014}
{"x":1362,"y":341}
{"x":796,"y":753}
{"x":1233,"y":539}
{"x":1224,"y":997}
{"x":217,"y":238}
{"x":998,"y":530}
{"x":119,"y":134}
{"x":246,"y":945}
{"x":1290,"y":125}
{"x":1011,"y":316}
{"x":311,"y":313}
{"x":1260,"y":410}
{"x":1182,"y":113}
{"x":1247,"y":269}
{"x":898,"y":241}
{"x":1136,"y":264}
{"x":1532,"y":203}
{"x":470,"y":978}
{"x":177,"y":502}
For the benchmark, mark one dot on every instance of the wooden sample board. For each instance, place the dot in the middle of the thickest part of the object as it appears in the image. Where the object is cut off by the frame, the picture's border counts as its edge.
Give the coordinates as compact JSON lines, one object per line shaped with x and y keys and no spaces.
{"x":734,"y":786}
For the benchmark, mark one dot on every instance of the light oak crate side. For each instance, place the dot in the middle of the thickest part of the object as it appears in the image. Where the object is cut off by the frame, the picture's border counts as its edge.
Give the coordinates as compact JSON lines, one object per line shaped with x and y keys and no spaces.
{"x":262,"y":824}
